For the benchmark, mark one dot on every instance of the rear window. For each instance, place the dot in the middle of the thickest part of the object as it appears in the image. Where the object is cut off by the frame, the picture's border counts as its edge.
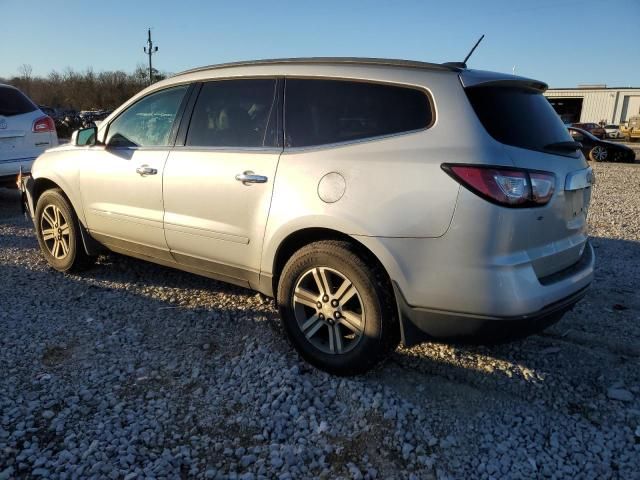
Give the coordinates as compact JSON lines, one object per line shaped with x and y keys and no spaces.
{"x":519,"y":117}
{"x":321,"y":112}
{"x":12,"y":102}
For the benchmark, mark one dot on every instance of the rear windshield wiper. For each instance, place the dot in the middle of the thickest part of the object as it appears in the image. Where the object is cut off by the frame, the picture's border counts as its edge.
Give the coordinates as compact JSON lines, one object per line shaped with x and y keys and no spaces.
{"x":564,"y":146}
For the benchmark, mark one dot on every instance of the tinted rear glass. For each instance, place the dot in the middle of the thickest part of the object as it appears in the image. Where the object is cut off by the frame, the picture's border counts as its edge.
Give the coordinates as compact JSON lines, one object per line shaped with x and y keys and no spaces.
{"x":518,"y":117}
{"x":320,"y":112}
{"x":12,"y":102}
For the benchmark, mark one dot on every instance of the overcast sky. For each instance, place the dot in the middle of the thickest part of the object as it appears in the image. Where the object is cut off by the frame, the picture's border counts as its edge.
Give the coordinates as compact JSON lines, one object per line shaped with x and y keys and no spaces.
{"x":562,"y":42}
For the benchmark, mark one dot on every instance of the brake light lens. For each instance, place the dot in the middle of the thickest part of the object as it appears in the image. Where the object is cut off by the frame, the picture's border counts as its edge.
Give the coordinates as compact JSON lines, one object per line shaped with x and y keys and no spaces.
{"x":508,"y":187}
{"x":44,"y":124}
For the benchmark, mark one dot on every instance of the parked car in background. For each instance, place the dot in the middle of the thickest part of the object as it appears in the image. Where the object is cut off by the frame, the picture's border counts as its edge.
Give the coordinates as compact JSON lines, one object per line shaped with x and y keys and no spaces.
{"x":613,"y":131}
{"x":600,"y":150}
{"x":48,"y":111}
{"x":356,"y":203}
{"x":593,"y":128}
{"x":631,"y":131}
{"x":25,"y":132}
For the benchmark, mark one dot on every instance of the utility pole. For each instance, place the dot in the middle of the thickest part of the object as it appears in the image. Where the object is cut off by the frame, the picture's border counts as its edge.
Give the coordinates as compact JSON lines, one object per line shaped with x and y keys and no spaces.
{"x":150,"y":50}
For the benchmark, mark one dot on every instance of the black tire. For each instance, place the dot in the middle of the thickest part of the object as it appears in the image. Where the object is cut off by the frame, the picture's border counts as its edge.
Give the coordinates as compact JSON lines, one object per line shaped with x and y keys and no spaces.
{"x":75,"y":258}
{"x":380,"y":333}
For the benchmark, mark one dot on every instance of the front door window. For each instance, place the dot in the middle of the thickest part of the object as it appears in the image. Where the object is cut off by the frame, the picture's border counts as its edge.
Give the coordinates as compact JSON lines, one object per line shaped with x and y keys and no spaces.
{"x":148,"y":122}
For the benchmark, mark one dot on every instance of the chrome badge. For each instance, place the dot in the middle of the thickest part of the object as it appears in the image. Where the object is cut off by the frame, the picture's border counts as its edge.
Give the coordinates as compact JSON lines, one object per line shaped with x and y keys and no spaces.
{"x":3,"y":123}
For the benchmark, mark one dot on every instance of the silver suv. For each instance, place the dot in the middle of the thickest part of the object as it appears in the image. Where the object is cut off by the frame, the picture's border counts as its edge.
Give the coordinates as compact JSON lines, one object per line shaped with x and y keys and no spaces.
{"x":376,"y":200}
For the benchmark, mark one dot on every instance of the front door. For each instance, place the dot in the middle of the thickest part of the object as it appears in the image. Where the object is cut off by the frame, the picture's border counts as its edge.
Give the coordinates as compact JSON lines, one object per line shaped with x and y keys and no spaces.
{"x":121,"y":181}
{"x":217,"y":186}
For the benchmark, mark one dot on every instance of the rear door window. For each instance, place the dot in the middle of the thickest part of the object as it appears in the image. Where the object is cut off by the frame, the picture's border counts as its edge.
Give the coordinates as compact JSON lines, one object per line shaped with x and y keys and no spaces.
{"x":516,"y":116}
{"x":320,"y":112}
{"x":13,"y":102}
{"x":234,"y":114}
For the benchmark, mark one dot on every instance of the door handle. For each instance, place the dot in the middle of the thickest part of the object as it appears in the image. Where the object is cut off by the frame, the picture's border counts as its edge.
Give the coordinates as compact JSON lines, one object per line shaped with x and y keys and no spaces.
{"x":146,"y":170}
{"x":250,"y":177}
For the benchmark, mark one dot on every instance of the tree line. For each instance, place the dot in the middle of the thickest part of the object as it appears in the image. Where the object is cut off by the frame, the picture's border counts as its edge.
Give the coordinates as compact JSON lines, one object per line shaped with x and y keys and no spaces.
{"x":86,"y":90}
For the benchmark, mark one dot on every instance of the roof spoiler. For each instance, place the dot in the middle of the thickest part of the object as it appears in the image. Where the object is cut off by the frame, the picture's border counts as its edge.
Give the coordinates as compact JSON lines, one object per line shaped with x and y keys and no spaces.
{"x":480,"y":78}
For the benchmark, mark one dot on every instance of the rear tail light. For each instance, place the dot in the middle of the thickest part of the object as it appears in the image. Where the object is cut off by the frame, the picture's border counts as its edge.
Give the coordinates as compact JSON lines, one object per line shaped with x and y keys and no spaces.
{"x":44,"y":124}
{"x":509,"y":187}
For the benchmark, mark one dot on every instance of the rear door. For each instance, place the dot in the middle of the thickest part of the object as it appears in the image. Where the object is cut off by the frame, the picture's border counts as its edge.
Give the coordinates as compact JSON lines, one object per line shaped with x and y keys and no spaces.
{"x":524,"y":122}
{"x":219,"y":178}
{"x":121,"y":182}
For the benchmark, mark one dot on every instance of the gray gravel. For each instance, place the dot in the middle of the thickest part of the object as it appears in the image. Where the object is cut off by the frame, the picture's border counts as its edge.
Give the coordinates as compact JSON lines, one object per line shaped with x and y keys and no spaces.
{"x":131,"y":370}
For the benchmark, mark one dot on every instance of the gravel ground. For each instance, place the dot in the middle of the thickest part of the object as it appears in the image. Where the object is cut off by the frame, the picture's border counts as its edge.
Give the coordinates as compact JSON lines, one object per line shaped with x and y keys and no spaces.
{"x":131,"y":370}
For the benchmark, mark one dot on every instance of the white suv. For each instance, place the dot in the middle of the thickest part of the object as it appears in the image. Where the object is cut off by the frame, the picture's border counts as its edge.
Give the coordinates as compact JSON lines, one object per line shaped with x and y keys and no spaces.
{"x":377,"y":200}
{"x":25,"y":132}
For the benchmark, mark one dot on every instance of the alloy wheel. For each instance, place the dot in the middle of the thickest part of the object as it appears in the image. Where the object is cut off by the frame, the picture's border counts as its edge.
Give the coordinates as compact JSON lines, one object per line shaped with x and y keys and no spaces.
{"x":55,"y":231}
{"x":599,"y":153}
{"x":329,"y":310}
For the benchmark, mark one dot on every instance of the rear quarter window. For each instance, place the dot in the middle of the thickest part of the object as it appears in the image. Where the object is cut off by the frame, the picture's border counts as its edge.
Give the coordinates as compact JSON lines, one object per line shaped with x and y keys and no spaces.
{"x":13,"y":102}
{"x":321,"y":112}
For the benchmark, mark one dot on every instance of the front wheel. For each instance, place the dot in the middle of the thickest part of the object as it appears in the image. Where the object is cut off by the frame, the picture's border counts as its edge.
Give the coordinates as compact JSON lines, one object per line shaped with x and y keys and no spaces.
{"x":58,"y":233}
{"x":337,"y":309}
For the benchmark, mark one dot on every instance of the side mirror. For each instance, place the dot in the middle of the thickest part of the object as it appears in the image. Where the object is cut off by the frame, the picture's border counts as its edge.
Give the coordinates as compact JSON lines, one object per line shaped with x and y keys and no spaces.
{"x":85,"y":137}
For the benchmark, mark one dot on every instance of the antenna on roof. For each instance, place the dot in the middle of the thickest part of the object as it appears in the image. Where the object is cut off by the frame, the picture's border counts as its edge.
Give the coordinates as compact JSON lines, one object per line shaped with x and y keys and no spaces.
{"x":463,"y":64}
{"x":473,"y":49}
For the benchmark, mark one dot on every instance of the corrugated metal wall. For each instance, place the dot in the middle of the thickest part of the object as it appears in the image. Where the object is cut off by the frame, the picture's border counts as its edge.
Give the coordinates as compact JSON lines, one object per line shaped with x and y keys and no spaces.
{"x":610,"y":105}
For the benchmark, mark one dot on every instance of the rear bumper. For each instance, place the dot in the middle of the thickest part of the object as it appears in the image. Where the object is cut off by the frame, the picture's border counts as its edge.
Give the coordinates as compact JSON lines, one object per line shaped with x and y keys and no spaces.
{"x":420,"y":324}
{"x":10,"y":168}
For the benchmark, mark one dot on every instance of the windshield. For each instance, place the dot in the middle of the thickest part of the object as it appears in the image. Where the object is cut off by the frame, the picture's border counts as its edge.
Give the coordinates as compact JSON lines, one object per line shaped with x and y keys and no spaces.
{"x":12,"y":102}
{"x":517,"y":116}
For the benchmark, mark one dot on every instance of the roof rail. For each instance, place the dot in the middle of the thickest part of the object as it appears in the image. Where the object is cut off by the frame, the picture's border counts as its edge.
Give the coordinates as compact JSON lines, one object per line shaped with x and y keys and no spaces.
{"x":329,"y":60}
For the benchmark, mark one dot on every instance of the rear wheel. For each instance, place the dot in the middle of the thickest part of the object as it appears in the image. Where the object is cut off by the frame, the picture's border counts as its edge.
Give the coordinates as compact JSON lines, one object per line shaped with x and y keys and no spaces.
{"x":336,"y":308}
{"x":58,"y":233}
{"x":598,"y":154}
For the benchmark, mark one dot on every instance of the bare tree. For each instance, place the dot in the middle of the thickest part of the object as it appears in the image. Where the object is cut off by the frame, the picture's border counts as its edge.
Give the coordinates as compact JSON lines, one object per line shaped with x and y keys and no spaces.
{"x":25,"y":72}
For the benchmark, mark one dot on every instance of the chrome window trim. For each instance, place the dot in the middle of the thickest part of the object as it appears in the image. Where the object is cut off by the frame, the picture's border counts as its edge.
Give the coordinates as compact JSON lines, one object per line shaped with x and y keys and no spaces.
{"x":193,"y":148}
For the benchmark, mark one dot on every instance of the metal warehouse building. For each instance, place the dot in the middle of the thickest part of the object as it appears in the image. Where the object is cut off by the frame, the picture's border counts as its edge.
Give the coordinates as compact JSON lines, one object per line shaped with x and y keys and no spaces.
{"x":595,"y":103}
